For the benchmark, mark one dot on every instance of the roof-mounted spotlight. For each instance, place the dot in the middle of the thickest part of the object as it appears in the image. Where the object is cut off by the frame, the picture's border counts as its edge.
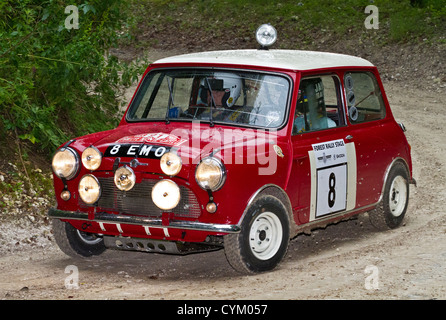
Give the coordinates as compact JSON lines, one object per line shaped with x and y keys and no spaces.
{"x":266,"y":35}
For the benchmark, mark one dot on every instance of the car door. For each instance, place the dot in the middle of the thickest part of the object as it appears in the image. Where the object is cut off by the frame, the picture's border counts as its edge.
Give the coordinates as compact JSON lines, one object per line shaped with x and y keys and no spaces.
{"x":322,"y":180}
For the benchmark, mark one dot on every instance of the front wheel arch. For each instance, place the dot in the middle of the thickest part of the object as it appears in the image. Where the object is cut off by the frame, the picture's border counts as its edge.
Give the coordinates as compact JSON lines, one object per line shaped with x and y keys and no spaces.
{"x":281,"y":195}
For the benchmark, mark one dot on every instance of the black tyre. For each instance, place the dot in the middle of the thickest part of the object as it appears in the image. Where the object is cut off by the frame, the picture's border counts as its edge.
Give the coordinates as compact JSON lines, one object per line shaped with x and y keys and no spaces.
{"x":391,"y":211}
{"x":263,"y":240}
{"x":76,"y":243}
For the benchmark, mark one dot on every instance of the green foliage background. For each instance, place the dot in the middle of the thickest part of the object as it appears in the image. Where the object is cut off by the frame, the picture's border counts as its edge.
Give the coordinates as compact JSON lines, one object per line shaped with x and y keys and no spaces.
{"x":57,"y":83}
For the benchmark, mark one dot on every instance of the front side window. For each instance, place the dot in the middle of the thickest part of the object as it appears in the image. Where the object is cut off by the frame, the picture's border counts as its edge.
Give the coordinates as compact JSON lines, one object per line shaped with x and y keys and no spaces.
{"x":319,"y":105}
{"x":228,"y":97}
{"x":364,"y":98}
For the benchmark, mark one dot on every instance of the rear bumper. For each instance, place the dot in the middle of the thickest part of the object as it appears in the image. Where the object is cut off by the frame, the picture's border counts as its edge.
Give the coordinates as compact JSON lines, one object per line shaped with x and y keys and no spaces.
{"x":102,"y":217}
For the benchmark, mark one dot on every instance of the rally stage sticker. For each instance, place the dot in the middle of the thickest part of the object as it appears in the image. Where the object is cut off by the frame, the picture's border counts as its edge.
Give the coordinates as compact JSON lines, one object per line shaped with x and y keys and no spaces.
{"x":331,"y":177}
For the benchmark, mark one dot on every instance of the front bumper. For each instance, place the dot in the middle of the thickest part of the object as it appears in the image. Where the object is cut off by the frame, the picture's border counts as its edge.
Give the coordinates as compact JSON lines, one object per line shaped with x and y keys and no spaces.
{"x":102,"y":217}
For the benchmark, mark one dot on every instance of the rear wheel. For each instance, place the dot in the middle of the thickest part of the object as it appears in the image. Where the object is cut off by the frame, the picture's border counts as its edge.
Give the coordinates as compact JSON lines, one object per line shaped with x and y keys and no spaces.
{"x":392,"y":209}
{"x":263,"y":240}
{"x":76,"y":243}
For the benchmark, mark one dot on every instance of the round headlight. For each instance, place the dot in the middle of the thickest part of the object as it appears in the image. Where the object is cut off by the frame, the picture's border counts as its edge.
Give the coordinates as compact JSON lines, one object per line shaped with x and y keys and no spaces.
{"x":210,"y":174}
{"x":266,"y":35}
{"x":166,"y":194}
{"x":125,"y":178}
{"x":170,"y":164}
{"x":65,"y":163}
{"x":89,"y":189}
{"x":91,"y":158}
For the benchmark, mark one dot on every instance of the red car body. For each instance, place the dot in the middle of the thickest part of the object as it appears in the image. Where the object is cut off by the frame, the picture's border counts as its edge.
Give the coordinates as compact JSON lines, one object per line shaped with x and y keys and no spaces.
{"x":293,"y":162}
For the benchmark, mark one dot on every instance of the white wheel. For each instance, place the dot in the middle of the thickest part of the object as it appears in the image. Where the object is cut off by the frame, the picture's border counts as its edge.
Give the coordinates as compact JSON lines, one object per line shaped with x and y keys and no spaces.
{"x":391,"y":211}
{"x":265,"y":236}
{"x":263,"y":240}
{"x":398,"y":196}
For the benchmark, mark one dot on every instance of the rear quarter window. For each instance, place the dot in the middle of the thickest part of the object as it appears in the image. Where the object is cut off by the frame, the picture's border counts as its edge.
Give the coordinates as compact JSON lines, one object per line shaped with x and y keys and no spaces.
{"x":364,"y":97}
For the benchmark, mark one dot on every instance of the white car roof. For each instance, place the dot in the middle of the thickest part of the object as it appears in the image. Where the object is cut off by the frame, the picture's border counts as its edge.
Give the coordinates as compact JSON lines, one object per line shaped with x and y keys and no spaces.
{"x":284,"y":59}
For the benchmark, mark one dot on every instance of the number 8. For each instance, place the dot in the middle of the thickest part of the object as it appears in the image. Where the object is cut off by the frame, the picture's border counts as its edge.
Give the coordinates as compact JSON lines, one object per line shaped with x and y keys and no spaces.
{"x":115,"y":149}
{"x":332,"y":190}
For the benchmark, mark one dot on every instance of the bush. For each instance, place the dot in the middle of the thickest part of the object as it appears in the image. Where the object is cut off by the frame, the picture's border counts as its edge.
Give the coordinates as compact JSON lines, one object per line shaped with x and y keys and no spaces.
{"x":57,"y":82}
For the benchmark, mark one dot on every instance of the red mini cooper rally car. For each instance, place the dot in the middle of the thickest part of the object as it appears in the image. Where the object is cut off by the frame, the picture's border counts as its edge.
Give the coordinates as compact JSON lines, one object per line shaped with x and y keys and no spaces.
{"x":239,"y":149}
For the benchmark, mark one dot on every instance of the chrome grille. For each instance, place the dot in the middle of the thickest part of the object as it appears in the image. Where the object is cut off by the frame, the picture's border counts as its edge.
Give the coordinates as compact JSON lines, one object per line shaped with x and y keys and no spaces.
{"x":138,"y":201}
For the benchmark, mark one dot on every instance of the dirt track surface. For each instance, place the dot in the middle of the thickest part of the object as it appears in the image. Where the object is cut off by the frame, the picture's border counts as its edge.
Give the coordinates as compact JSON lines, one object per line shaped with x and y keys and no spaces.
{"x":349,"y":260}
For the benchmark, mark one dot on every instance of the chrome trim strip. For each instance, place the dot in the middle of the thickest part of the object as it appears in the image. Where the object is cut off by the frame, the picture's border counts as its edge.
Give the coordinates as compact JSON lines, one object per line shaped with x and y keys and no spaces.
{"x":102,"y":217}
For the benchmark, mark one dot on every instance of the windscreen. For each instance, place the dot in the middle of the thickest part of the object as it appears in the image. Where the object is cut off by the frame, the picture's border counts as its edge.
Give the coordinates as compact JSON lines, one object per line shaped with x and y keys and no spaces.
{"x":228,"y":97}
